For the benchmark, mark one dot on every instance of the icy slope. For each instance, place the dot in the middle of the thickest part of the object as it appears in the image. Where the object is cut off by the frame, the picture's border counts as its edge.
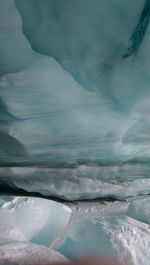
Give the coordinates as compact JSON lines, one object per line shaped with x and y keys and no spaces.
{"x":110,"y":229}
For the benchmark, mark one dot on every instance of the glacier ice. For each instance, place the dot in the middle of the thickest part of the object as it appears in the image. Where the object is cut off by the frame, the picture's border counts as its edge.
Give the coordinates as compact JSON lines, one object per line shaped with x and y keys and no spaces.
{"x":32,"y":219}
{"x":27,"y":228}
{"x":140,"y":210}
{"x":74,"y":124}
{"x":79,"y":181}
{"x":74,"y":89}
{"x":107,"y":229}
{"x":89,"y":228}
{"x":23,"y":253}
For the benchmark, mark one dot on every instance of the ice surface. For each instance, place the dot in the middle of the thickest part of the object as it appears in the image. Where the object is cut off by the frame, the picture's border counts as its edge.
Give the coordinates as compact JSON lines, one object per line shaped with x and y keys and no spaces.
{"x":73,"y":230}
{"x":32,"y":219}
{"x":75,"y":95}
{"x":107,"y":229}
{"x":140,"y":210}
{"x":22,"y":253}
{"x":26,"y":220}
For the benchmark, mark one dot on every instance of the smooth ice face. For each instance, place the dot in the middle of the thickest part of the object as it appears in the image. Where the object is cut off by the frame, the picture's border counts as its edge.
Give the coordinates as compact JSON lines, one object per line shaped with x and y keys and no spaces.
{"x":32,"y":219}
{"x":74,"y":88}
{"x":140,"y":210}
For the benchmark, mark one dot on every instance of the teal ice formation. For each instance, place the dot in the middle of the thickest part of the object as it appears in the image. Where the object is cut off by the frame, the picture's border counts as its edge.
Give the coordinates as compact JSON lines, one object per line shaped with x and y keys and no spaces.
{"x":75,"y":122}
{"x":75,"y":96}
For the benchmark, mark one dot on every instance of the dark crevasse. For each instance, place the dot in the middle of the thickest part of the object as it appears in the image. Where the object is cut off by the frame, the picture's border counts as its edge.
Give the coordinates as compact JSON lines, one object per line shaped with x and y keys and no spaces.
{"x":140,"y":30}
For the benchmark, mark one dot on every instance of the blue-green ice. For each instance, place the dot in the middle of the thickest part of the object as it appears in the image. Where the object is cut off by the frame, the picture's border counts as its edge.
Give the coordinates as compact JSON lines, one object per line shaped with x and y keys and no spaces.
{"x":75,"y":123}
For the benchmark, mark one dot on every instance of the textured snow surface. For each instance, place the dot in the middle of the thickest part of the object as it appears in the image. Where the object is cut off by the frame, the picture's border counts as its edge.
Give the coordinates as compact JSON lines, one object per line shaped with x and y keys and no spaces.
{"x":97,"y":228}
{"x":22,"y":253}
{"x":31,"y":229}
{"x":74,"y":88}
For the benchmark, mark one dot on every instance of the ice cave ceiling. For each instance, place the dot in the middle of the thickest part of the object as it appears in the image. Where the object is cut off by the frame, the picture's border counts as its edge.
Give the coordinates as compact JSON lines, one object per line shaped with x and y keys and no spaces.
{"x":75,"y":97}
{"x":74,"y":126}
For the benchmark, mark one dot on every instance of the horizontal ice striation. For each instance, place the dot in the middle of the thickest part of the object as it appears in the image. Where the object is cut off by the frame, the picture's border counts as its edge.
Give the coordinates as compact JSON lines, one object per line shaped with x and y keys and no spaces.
{"x":74,"y":113}
{"x":78,"y":182}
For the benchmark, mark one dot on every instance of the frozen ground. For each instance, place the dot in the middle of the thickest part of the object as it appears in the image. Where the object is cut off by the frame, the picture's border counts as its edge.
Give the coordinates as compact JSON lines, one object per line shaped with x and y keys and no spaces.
{"x":33,"y":225}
